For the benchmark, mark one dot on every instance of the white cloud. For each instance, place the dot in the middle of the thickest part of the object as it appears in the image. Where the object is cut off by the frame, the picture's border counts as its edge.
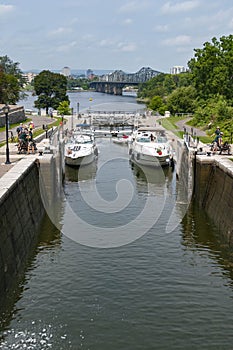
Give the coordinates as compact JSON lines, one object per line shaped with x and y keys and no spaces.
{"x":66,"y":47}
{"x":161,"y":28}
{"x":60,"y":31}
{"x":117,"y":46}
{"x":106,"y":43}
{"x":180,"y":6}
{"x":126,"y":47}
{"x":5,"y":9}
{"x":88,"y":37}
{"x":133,"y":6}
{"x":127,"y":21}
{"x":178,"y":40}
{"x":230,"y":25}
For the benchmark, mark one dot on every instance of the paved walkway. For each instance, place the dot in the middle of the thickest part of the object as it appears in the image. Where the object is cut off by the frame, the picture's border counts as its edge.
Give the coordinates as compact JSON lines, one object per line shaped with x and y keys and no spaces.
{"x":38,"y":121}
{"x":4,"y":168}
{"x":183,"y":123}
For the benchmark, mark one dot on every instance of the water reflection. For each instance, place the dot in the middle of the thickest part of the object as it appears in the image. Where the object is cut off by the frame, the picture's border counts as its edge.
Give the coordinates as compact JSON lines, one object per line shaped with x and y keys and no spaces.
{"x":87,"y":172}
{"x":49,"y":241}
{"x":200,"y":235}
{"x":150,"y":174}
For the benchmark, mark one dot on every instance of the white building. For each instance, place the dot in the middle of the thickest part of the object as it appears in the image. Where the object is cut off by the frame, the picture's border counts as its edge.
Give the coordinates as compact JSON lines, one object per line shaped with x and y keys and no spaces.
{"x":29,"y":76}
{"x":177,"y":69}
{"x":66,"y":71}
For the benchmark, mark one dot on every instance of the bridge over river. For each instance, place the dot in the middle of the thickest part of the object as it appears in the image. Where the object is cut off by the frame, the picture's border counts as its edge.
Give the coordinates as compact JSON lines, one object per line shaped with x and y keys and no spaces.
{"x":114,"y":82}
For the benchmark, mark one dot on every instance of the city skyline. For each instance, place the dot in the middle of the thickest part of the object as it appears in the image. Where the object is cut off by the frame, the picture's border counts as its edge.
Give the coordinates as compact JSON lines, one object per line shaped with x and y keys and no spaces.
{"x":109,"y":35}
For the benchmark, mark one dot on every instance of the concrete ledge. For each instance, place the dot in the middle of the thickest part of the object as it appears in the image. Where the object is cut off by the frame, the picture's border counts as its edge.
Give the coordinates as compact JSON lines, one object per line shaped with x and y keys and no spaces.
{"x":224,"y":163}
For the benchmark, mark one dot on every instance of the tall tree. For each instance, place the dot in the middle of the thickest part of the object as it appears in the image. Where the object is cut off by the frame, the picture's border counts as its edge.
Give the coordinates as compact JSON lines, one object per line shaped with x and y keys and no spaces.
{"x":182,"y":100}
{"x":212,"y":68}
{"x":11,"y":80}
{"x":51,"y":90}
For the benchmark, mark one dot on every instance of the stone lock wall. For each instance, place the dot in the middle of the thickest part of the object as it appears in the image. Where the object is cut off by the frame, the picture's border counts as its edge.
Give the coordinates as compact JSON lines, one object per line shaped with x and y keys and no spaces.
{"x":214,"y":193}
{"x":21,"y":212}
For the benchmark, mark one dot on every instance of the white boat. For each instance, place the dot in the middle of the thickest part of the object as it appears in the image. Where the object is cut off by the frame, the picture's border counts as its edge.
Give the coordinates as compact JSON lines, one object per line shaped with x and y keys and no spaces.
{"x":80,"y":150}
{"x":102,"y":133}
{"x":150,"y":147}
{"x":122,"y":139}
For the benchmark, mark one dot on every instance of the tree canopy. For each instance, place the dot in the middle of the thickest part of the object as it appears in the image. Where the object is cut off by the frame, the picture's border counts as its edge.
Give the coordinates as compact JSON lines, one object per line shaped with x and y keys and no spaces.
{"x":212,"y":68}
{"x":11,"y":80}
{"x":206,"y":89}
{"x":51,"y":89}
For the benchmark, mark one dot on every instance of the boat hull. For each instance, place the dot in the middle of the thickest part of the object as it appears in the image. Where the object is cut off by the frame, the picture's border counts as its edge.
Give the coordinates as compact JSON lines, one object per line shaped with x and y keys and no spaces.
{"x":147,"y":160}
{"x":80,"y":160}
{"x":150,"y":147}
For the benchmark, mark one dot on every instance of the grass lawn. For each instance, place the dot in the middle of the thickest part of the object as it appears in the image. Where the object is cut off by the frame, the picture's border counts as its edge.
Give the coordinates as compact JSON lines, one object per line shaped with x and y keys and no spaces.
{"x":170,"y":124}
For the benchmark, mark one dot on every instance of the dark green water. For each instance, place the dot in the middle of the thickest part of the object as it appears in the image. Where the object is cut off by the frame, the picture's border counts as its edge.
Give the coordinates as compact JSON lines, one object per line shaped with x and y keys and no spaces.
{"x":164,"y":290}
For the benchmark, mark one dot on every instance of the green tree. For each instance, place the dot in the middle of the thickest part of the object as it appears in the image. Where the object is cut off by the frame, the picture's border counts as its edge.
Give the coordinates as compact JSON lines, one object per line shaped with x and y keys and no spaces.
{"x":63,"y":108}
{"x":51,"y":90}
{"x":11,"y":81}
{"x":182,"y":100}
{"x":212,"y":68}
{"x":73,"y":83}
{"x":170,"y":83}
{"x":156,"y":103}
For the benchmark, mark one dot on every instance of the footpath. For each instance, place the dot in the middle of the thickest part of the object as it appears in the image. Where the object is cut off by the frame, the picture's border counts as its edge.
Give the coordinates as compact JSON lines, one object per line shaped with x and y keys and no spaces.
{"x":38,"y":121}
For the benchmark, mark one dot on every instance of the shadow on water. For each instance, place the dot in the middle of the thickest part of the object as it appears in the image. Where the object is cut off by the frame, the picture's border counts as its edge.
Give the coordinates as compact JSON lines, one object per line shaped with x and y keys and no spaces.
{"x":200,"y":234}
{"x":49,"y":240}
{"x":150,"y":174}
{"x":75,"y":174}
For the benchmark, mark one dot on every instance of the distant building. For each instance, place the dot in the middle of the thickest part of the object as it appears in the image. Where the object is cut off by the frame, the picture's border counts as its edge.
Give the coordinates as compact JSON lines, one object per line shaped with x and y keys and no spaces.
{"x":29,"y":77}
{"x":177,"y":69}
{"x":90,"y":74}
{"x":66,"y":72}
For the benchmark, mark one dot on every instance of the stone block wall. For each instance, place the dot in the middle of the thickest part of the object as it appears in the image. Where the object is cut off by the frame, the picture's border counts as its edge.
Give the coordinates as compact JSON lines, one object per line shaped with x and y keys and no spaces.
{"x":214,"y":193}
{"x":21,"y":212}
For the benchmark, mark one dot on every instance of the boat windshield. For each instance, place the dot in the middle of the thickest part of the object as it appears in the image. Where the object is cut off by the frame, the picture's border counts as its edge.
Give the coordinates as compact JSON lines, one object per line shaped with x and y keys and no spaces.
{"x":143,"y":139}
{"x":161,"y":139}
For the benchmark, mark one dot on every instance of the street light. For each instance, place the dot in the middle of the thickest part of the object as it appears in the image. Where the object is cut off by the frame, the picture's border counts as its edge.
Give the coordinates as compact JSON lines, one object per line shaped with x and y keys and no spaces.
{"x":72,"y":118}
{"x":6,"y":110}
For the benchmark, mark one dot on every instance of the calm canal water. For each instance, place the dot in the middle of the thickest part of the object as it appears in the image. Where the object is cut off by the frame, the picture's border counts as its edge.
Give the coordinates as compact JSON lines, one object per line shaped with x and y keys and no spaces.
{"x":164,"y":289}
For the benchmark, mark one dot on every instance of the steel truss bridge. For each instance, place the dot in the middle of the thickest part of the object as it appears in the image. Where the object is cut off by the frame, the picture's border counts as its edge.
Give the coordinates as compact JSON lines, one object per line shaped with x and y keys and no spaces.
{"x":114,"y":82}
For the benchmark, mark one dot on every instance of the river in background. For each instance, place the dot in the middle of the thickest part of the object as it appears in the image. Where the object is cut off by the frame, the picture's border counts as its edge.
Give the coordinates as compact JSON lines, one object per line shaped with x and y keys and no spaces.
{"x":85,"y":101}
{"x":165,"y":289}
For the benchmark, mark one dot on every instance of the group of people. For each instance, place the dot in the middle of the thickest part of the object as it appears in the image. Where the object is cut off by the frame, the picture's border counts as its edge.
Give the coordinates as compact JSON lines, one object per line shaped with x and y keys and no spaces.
{"x":219,"y":145}
{"x":25,"y":137}
{"x":218,"y":140}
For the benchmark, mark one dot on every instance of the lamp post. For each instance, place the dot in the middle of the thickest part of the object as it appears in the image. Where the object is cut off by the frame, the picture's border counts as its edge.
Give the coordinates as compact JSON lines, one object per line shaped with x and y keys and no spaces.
{"x":6,"y":110}
{"x":78,"y":109}
{"x":72,"y":118}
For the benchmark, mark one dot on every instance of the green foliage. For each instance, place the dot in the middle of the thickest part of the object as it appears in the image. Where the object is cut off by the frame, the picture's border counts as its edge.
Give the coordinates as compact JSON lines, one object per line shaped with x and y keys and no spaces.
{"x":63,"y":108}
{"x":51,"y":90}
{"x":163,"y":84}
{"x":155,"y":103}
{"x":11,"y":81}
{"x":212,"y":68}
{"x":213,"y":111}
{"x":182,"y":100}
{"x":73,"y":83}
{"x":153,"y":87}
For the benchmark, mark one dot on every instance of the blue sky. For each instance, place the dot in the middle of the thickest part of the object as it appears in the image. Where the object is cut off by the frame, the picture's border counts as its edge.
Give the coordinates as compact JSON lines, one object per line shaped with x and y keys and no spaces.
{"x":109,"y":34}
